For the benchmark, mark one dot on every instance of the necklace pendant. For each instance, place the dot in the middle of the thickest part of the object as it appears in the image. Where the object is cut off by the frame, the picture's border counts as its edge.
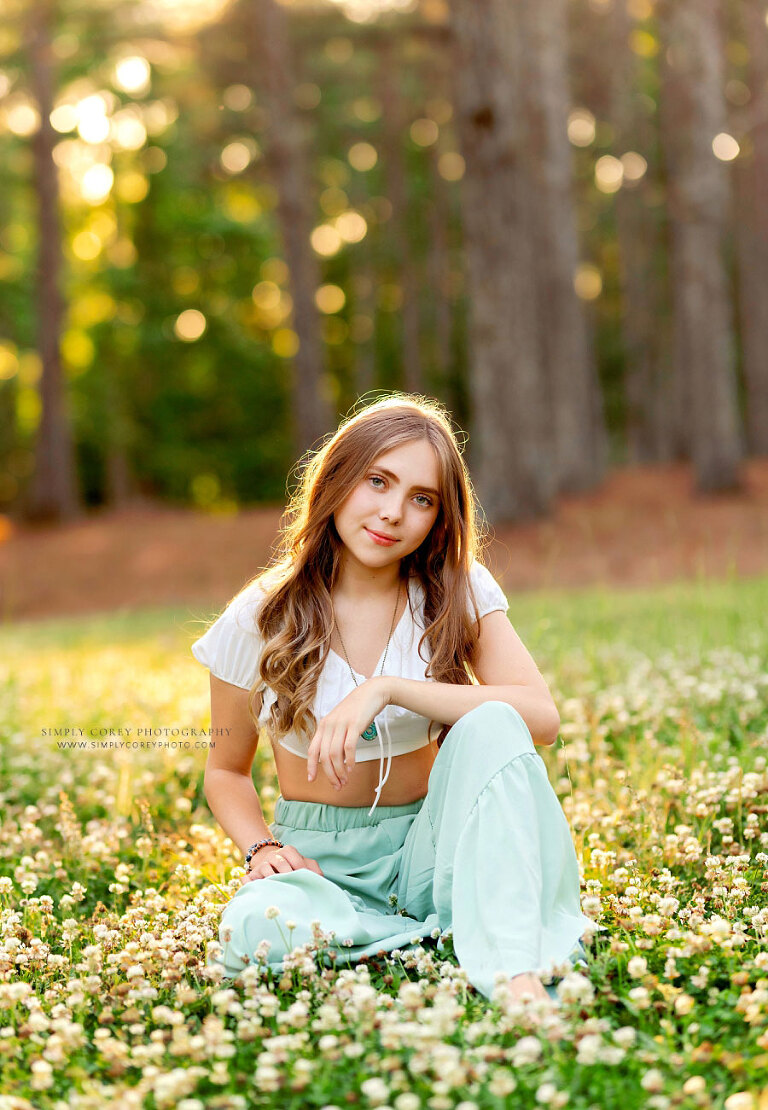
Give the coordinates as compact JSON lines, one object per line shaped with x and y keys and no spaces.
{"x":370,"y":733}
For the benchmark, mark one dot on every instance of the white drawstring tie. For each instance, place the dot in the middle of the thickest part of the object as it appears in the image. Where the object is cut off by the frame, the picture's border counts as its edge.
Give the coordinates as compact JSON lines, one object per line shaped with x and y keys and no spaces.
{"x":382,"y":725}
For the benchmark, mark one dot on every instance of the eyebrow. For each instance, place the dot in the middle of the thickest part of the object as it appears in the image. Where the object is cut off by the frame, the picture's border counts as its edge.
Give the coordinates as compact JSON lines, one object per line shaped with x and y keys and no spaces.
{"x":421,"y":489}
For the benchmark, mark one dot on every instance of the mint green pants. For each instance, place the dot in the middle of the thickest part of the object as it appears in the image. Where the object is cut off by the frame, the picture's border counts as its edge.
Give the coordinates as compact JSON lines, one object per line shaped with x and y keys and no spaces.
{"x":487,"y":853}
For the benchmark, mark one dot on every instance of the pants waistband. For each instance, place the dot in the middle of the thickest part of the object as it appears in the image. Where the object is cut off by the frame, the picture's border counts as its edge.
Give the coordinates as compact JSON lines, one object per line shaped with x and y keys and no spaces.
{"x":329,"y":818}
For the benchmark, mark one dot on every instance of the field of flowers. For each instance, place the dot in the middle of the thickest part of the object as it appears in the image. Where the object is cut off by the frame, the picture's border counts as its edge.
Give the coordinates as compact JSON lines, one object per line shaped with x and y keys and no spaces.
{"x":113,"y":873}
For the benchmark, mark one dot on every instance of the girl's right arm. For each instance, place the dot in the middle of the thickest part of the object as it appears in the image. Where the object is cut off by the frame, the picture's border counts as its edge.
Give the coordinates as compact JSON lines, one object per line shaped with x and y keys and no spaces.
{"x":228,"y":785}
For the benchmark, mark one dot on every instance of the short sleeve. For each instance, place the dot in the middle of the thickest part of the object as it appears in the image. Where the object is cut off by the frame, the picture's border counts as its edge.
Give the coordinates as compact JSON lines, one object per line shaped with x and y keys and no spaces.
{"x":231,"y":647}
{"x":488,"y":593}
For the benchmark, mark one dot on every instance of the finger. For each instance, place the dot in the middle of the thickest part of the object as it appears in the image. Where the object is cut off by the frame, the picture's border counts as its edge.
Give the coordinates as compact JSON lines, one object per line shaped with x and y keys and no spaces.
{"x":313,"y":865}
{"x":326,"y":761}
{"x":337,"y":753}
{"x":313,"y":754}
{"x":281,"y":865}
{"x":350,"y":751}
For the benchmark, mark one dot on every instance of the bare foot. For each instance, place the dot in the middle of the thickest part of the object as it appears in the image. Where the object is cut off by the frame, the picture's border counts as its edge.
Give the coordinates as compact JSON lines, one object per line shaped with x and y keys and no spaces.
{"x":528,"y":985}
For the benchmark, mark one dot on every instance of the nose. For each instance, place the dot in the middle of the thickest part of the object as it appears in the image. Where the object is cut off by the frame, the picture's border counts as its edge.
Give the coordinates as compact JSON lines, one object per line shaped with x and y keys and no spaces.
{"x":391,"y":509}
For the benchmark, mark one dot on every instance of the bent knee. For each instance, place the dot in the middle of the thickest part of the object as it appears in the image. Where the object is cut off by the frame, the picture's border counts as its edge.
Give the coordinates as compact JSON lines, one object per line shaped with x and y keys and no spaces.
{"x":499,"y":722}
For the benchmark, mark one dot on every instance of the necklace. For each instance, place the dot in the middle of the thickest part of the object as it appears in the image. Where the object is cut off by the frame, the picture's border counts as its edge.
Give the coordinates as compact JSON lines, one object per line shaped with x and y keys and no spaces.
{"x":371,"y":732}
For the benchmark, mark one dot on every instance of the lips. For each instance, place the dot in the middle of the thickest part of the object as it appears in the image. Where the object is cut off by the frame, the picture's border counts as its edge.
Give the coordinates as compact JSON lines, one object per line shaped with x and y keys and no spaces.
{"x":381,"y":536}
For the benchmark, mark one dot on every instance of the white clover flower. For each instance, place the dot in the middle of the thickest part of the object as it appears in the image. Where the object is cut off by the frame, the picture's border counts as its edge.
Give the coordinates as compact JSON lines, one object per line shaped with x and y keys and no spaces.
{"x":625,"y":1036}
{"x":407,"y":1101}
{"x":501,"y":1084}
{"x":526,"y":1051}
{"x":576,"y":988}
{"x":652,"y":1081}
{"x":637,"y":967}
{"x":740,"y":1100}
{"x":589,"y":1049}
{"x":375,"y":1090}
{"x":271,"y":911}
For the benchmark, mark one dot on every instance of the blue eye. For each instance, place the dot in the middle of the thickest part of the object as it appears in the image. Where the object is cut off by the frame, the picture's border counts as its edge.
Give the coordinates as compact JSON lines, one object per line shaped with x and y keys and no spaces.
{"x":425,"y":503}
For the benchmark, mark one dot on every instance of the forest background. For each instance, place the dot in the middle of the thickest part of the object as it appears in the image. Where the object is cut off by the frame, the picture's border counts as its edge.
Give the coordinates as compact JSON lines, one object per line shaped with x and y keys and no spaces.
{"x":221,"y":224}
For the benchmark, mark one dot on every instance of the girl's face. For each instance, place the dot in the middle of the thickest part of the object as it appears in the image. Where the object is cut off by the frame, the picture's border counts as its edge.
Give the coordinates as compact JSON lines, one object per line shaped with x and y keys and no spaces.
{"x":397,"y":500}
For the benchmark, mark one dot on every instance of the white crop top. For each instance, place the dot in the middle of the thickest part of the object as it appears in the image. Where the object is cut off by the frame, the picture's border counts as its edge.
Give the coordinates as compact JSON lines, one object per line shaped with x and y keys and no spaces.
{"x":231,"y":649}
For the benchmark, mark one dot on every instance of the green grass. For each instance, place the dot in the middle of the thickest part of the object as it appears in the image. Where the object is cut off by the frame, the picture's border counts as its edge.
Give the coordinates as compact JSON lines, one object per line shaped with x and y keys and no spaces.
{"x":116,"y":872}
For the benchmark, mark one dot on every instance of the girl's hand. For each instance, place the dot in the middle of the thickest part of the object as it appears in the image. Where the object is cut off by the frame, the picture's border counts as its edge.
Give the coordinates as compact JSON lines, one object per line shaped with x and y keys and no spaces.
{"x":267,"y":861}
{"x":334,"y":744}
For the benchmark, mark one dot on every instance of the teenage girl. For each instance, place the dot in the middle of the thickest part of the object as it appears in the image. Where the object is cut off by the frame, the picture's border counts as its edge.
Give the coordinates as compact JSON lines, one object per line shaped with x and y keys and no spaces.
{"x":404,"y":714}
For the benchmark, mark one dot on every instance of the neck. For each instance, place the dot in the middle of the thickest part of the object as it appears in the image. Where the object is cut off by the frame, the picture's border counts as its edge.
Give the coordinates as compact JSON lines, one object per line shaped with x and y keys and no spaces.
{"x":358,"y":581}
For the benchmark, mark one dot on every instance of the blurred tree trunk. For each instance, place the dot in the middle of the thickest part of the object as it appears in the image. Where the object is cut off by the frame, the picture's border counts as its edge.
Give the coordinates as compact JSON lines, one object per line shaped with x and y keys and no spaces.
{"x":699,"y":207}
{"x":646,"y":385}
{"x":439,"y":279}
{"x":752,"y":224}
{"x":568,"y":362}
{"x":288,"y":160}
{"x":395,"y":122}
{"x":54,"y":492}
{"x":512,"y":447}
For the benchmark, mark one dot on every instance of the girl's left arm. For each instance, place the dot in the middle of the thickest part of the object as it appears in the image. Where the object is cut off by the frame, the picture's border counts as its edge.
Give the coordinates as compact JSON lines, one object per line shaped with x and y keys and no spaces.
{"x":506,"y":671}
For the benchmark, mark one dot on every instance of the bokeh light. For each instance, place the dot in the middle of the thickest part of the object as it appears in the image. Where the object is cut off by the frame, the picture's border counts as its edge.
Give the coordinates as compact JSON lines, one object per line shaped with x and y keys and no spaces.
{"x":133,"y":75}
{"x":362,"y":157}
{"x":9,"y":360}
{"x":581,"y":127}
{"x":235,"y":157}
{"x":127,"y":129}
{"x":725,"y":147}
{"x":93,"y":123}
{"x":609,"y":174}
{"x":451,"y":166}
{"x":351,"y":226}
{"x":635,"y":166}
{"x":588,"y":282}
{"x":237,"y":98}
{"x":97,"y":183}
{"x":330,"y":298}
{"x":424,"y":132}
{"x":86,"y":246}
{"x":326,"y":241}
{"x":64,"y":118}
{"x":266,"y":295}
{"x":366,"y":109}
{"x":190,"y":325}
{"x":285,"y":342}
{"x":132,"y":187}
{"x":21,"y":116}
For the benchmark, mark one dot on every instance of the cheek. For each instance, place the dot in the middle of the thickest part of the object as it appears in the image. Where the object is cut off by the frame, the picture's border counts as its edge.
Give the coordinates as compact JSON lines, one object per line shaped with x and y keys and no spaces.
{"x":354,"y":505}
{"x":426,"y":526}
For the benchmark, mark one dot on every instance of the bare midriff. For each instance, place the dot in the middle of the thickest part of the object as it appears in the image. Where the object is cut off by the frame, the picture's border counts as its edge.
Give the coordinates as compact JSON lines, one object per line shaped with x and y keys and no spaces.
{"x":407,"y":782}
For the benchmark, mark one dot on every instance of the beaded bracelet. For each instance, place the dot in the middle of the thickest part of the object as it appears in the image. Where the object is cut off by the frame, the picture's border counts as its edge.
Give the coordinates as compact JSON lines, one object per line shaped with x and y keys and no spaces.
{"x":255,"y":847}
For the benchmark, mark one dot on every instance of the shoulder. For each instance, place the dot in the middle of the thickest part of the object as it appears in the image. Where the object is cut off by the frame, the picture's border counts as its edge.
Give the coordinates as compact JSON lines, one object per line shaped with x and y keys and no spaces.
{"x":488,"y":594}
{"x":244,"y":607}
{"x":482,"y":590}
{"x":231,"y":645}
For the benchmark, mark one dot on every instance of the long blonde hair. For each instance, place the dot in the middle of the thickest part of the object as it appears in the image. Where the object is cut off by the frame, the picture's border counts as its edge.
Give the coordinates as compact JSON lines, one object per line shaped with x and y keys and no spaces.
{"x":295,"y":619}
